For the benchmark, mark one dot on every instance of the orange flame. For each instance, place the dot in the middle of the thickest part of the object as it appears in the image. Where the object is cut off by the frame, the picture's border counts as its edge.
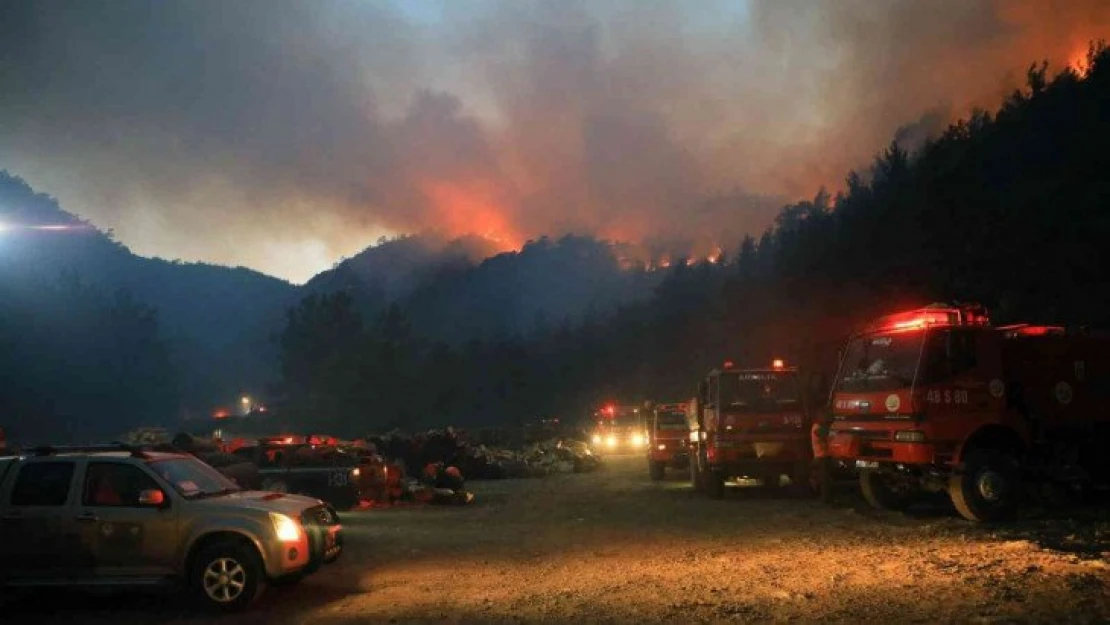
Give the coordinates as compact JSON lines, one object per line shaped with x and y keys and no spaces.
{"x":472,"y":209}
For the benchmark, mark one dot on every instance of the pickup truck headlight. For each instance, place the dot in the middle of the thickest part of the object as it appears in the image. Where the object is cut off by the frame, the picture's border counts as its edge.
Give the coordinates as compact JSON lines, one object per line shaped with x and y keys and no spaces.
{"x":286,"y":529}
{"x":909,"y":436}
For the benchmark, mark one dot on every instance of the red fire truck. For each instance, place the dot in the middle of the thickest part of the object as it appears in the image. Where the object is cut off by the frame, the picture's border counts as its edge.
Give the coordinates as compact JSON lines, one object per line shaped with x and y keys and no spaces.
{"x":937,"y":399}
{"x":750,"y":423}
{"x":668,"y":436}
{"x":619,"y":429}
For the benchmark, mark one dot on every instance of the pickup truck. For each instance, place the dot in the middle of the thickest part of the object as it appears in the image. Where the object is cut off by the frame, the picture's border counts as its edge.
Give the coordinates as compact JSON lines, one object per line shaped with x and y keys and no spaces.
{"x":320,"y":471}
{"x":119,"y":516}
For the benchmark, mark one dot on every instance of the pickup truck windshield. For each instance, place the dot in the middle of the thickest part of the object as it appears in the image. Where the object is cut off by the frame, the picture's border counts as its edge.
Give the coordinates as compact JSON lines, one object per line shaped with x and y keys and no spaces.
{"x":759,"y":391}
{"x":192,"y":478}
{"x":884,"y":362}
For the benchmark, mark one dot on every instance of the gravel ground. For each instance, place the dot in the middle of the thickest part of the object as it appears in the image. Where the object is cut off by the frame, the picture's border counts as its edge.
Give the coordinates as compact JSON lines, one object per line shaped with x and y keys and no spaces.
{"x":613,"y":546}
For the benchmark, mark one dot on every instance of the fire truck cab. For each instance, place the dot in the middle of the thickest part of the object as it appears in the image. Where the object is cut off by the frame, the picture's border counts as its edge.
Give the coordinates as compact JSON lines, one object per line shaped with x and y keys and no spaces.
{"x":619,"y":429}
{"x":750,"y":423}
{"x":668,"y":437}
{"x":937,"y":399}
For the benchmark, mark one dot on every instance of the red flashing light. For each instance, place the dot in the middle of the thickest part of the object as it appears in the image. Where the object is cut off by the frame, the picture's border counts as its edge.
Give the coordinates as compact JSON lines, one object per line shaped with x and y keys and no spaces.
{"x":777,"y":363}
{"x":728,"y":364}
{"x":933,"y":315}
{"x":220,"y":414}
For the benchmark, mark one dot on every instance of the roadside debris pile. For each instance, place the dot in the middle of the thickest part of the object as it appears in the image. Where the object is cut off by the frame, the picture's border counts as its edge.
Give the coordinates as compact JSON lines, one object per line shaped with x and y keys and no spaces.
{"x":452,"y":448}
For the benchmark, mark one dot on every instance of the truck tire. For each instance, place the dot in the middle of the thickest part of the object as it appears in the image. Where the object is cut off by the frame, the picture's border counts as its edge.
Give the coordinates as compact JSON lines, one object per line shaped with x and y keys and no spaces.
{"x":697,"y":476}
{"x":714,"y":484}
{"x":880,"y":494}
{"x":804,"y":480}
{"x":989,"y":487}
{"x":656,"y":469}
{"x":227,"y":576}
{"x":825,"y":486}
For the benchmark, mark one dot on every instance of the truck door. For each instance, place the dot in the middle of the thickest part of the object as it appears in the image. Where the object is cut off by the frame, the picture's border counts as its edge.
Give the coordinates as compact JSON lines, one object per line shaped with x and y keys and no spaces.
{"x":127,"y":538}
{"x":958,"y":373}
{"x":38,"y":533}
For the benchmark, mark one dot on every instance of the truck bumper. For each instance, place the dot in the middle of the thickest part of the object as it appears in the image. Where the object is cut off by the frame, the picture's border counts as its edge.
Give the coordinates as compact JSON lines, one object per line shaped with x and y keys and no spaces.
{"x":671,"y":458}
{"x":757,"y":458}
{"x":850,"y":448}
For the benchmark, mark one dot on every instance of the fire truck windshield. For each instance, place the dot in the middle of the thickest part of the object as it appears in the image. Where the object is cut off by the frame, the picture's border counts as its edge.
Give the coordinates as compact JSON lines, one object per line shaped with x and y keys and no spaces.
{"x":622,"y":417}
{"x":758,"y":391}
{"x":883,"y":362}
{"x":670,"y":420}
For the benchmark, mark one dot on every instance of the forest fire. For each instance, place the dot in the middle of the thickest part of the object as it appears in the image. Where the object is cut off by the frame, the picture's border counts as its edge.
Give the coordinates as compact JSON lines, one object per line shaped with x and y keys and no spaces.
{"x":472,"y":209}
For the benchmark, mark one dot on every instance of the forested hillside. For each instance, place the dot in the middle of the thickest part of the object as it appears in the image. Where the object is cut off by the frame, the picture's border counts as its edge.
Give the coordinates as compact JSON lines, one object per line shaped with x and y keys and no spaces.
{"x":1009,"y":208}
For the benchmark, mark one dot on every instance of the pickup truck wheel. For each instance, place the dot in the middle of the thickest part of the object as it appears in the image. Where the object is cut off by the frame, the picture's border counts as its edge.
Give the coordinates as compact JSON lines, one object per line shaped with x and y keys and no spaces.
{"x":882,"y":492}
{"x":656,"y":470}
{"x":227,"y":576}
{"x":989,"y":487}
{"x":714,"y":484}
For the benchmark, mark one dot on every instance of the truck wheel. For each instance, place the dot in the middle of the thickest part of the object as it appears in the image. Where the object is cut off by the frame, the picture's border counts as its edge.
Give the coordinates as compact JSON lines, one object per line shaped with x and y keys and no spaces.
{"x":227,"y":576}
{"x":697,"y":481}
{"x":804,"y":481}
{"x":656,"y":470}
{"x":825,"y":481}
{"x":714,"y":484}
{"x":880,"y":491}
{"x":989,"y":487}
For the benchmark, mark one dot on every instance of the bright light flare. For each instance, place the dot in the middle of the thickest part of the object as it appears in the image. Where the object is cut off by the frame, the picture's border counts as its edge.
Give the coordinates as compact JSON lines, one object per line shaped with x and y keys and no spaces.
{"x":4,"y":227}
{"x":286,"y":529}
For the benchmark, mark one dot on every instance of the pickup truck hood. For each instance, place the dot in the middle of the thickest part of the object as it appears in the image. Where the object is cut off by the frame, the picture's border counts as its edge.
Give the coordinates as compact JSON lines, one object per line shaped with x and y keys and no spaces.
{"x":292,"y":505}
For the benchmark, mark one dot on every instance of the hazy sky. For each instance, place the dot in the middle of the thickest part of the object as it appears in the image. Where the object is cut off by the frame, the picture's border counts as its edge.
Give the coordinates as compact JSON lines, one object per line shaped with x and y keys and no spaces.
{"x":282,"y":135}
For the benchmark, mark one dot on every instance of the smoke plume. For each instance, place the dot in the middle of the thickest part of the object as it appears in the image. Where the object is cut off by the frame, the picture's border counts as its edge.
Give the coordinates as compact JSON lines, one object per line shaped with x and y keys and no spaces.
{"x":282,"y":134}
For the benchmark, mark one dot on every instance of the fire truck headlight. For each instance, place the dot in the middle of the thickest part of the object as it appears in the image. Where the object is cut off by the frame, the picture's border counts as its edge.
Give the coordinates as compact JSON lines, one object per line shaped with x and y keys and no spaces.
{"x":637,"y":440}
{"x":596,"y":439}
{"x":611,"y":441}
{"x":909,"y":436}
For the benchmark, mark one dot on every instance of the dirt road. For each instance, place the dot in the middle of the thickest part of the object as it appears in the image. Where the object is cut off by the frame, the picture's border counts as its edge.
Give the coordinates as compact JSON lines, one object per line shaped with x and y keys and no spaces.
{"x":613,"y":546}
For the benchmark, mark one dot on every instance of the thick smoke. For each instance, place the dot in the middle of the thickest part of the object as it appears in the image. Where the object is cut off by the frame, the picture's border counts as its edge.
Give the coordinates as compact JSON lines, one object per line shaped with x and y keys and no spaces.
{"x":282,"y":134}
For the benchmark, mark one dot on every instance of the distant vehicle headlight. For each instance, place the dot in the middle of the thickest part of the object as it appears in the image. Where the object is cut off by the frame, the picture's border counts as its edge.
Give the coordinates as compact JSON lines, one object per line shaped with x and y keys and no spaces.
{"x":637,"y":440}
{"x":596,"y":439}
{"x":611,"y":441}
{"x":287,"y":530}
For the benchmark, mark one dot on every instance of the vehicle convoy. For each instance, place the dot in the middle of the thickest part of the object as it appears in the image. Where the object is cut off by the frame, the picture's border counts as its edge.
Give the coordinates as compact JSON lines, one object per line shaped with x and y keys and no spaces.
{"x":668,"y":439}
{"x":750,"y":423}
{"x":308,"y":465}
{"x":619,"y":429}
{"x":116,"y":515}
{"x":939,"y":400}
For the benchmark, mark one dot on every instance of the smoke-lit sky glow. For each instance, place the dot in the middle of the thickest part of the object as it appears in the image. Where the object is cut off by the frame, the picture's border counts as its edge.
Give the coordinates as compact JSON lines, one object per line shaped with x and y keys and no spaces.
{"x":282,"y":135}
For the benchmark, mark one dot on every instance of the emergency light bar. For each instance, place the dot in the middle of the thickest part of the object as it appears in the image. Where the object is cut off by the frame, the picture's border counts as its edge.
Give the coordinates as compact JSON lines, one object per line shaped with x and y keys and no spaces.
{"x":935,"y":315}
{"x":1024,"y":329}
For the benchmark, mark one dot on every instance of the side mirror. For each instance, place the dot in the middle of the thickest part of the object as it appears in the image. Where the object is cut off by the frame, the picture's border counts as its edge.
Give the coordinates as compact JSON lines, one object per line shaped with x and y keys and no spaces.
{"x":152,"y":498}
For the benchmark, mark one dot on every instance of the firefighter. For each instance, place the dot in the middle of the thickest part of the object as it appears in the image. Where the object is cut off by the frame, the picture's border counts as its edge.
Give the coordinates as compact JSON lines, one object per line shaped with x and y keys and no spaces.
{"x":819,"y":439}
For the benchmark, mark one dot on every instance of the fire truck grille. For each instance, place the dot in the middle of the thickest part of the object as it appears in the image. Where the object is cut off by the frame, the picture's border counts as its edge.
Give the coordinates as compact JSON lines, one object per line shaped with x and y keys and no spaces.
{"x":867,"y":435}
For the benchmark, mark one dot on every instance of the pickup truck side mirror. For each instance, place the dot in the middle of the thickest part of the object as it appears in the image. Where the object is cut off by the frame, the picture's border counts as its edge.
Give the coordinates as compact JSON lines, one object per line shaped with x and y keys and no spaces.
{"x":152,"y":497}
